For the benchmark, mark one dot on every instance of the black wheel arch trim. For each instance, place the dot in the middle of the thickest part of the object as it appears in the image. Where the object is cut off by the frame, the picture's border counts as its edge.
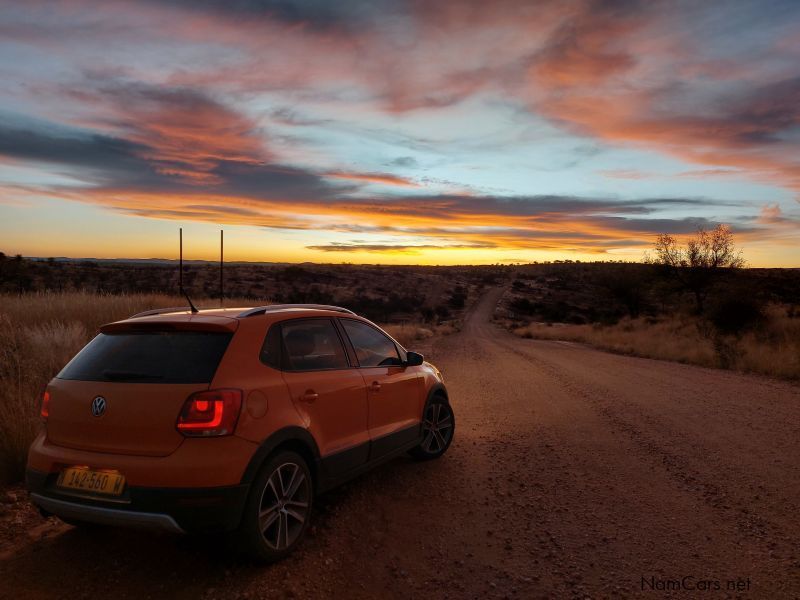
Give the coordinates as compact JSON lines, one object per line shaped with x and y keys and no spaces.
{"x":274,"y":441}
{"x":437,"y":389}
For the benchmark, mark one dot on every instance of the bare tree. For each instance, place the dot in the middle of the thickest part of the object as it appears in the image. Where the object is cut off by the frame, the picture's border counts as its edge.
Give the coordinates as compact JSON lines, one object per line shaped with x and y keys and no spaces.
{"x":696,"y":264}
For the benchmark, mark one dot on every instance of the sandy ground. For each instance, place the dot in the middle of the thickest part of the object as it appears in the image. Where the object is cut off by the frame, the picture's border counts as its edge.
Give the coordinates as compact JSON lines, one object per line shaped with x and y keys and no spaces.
{"x":574,"y":473}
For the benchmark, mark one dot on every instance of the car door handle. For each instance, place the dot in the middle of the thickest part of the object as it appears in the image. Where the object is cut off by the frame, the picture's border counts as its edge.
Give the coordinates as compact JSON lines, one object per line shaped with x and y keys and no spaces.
{"x":375,"y":387}
{"x":309,"y":396}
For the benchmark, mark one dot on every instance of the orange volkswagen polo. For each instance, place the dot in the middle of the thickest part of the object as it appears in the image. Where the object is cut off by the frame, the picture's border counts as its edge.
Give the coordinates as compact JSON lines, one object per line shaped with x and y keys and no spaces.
{"x":230,"y":420}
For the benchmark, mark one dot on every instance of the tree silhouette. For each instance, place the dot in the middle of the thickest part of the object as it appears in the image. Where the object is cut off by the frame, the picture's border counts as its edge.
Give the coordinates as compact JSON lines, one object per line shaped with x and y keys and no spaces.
{"x":696,"y":264}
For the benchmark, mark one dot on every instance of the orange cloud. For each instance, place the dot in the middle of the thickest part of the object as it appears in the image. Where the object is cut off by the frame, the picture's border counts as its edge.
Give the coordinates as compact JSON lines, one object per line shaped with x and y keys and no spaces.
{"x":382,"y":178}
{"x":182,"y":132}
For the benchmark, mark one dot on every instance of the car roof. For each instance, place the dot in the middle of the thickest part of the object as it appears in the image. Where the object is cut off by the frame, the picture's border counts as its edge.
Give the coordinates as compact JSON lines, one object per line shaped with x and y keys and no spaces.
{"x":243,"y":312}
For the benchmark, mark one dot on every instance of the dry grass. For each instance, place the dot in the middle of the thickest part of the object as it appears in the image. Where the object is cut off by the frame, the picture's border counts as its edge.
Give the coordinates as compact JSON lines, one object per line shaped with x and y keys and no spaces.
{"x":39,"y":334}
{"x":411,"y":335}
{"x":772,"y":348}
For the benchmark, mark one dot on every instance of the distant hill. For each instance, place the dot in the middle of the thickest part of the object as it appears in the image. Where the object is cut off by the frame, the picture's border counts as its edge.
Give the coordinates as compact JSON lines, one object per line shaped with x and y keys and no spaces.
{"x":146,"y":261}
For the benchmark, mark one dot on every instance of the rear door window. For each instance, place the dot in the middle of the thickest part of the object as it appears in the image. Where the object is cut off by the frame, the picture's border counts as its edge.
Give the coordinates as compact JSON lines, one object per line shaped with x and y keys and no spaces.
{"x":311,"y":345}
{"x":150,"y":357}
{"x":373,"y":348}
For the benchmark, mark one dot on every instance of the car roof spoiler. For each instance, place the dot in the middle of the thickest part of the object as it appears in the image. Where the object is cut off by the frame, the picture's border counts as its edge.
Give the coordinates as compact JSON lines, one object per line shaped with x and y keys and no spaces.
{"x":161,"y":311}
{"x":188,"y":322}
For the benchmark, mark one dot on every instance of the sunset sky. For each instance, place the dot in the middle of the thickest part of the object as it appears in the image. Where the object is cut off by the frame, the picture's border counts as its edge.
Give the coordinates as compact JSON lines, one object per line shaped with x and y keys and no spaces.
{"x":398,"y":131}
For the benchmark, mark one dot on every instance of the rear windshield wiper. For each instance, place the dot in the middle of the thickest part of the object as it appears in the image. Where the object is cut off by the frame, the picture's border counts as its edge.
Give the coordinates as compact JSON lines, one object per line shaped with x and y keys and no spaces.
{"x":122,"y":375}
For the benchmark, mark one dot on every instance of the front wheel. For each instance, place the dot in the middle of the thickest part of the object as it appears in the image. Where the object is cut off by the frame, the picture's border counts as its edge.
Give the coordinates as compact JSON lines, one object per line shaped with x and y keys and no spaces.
{"x":438,"y":427}
{"x":278,"y":509}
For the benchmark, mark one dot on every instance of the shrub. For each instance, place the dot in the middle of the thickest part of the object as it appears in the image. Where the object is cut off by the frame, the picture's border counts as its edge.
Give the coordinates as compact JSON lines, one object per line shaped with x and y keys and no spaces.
{"x":443,"y":312}
{"x":524,"y":306}
{"x":458,"y":298}
{"x":735,"y":313}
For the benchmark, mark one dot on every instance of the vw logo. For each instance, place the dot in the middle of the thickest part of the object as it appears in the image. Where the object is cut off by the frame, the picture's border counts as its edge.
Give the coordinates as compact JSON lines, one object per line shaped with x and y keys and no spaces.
{"x":98,"y":406}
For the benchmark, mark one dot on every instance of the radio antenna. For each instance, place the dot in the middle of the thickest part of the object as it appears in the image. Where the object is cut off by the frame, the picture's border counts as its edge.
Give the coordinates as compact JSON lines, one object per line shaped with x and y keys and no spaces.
{"x":180,"y":260}
{"x":221,"y":281}
{"x":192,"y":307}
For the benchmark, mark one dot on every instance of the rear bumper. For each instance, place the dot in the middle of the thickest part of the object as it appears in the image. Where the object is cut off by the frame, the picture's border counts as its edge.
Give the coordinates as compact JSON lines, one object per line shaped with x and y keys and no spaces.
{"x":106,"y":516}
{"x":192,"y":510}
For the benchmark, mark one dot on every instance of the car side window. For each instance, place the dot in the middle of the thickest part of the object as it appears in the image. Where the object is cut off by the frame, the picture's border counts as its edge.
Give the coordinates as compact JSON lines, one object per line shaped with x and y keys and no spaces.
{"x":311,"y":345}
{"x":372,"y":347}
{"x":271,"y":350}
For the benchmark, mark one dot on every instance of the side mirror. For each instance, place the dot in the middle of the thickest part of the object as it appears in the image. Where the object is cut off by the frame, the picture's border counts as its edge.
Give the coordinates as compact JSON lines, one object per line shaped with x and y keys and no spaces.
{"x":414,"y":359}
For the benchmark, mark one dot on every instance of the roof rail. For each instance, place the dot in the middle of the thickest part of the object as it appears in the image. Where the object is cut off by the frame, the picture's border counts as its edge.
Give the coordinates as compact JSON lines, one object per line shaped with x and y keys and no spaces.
{"x":260,"y":310}
{"x":160,"y":311}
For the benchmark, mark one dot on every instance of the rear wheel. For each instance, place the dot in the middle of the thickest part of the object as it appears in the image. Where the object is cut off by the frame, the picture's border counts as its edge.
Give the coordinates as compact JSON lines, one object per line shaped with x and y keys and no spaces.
{"x":278,"y":508}
{"x":438,"y":427}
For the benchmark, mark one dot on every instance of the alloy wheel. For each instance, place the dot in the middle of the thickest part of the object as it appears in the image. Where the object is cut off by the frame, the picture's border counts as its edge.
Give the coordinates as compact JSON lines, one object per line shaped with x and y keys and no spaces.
{"x":284,"y":506}
{"x":437,"y":428}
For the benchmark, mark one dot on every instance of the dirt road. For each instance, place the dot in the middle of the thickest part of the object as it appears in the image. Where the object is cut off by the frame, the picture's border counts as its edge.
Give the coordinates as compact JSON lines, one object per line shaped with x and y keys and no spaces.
{"x":574,"y":473}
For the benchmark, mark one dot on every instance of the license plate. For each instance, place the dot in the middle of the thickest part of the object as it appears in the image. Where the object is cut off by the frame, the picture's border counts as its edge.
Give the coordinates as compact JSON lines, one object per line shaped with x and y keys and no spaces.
{"x":109,"y":483}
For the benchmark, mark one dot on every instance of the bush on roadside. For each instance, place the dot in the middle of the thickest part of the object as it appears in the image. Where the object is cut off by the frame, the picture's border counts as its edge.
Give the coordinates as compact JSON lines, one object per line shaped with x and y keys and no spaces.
{"x":734,"y":313}
{"x":770,"y":348}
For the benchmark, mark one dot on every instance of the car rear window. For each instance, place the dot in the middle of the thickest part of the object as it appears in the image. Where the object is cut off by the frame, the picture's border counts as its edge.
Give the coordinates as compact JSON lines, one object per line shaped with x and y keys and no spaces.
{"x":149,"y":357}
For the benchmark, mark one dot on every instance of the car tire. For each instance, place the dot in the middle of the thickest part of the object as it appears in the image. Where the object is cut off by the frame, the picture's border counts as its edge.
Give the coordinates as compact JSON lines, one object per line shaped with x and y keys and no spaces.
{"x":438,"y":429}
{"x":278,"y":508}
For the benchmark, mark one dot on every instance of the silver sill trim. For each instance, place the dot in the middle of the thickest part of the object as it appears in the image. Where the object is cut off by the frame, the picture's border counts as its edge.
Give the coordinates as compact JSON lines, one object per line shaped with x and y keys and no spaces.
{"x":106,"y":516}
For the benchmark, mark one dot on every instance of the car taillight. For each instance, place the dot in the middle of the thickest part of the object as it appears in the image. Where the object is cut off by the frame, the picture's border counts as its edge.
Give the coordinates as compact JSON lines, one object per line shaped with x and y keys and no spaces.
{"x":45,"y":411}
{"x":210,"y":413}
